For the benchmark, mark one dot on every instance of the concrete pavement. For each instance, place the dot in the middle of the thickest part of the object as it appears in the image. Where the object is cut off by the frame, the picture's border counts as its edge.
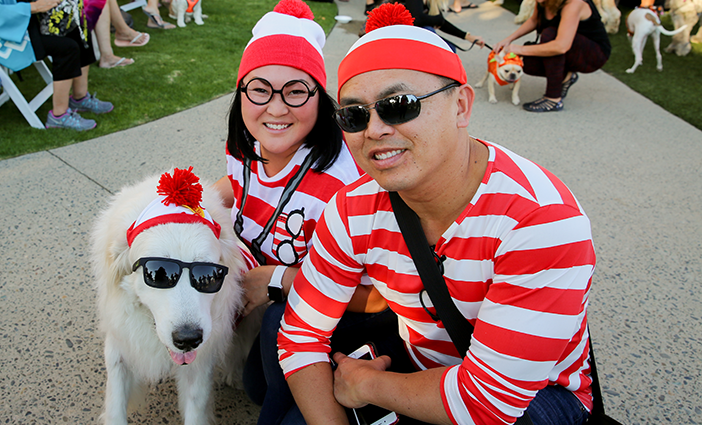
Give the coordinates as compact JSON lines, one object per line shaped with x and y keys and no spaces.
{"x":634,"y":167}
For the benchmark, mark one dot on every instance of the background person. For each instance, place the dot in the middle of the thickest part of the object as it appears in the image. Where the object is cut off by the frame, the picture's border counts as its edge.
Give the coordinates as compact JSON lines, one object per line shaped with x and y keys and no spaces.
{"x":72,"y":54}
{"x":285,"y":159}
{"x":515,"y":246}
{"x":572,"y":39}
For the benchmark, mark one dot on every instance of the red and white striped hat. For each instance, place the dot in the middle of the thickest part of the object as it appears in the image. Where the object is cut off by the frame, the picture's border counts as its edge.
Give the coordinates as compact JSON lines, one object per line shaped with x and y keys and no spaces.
{"x":392,"y":42}
{"x":286,"y":36}
{"x":178,"y":202}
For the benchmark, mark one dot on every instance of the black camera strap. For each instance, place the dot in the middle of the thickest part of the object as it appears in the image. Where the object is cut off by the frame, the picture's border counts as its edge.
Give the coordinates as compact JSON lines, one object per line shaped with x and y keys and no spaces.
{"x":459,"y":329}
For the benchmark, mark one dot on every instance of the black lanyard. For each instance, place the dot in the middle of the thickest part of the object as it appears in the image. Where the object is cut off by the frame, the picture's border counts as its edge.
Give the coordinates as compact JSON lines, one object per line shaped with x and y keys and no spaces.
{"x":290,"y":188}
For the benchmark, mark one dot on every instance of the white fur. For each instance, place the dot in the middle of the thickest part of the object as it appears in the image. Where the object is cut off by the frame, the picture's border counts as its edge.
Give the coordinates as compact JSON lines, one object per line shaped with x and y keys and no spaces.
{"x":180,"y":7}
{"x":137,"y":320}
{"x":609,"y":13}
{"x":508,"y":72}
{"x":685,"y":14}
{"x":644,"y":23}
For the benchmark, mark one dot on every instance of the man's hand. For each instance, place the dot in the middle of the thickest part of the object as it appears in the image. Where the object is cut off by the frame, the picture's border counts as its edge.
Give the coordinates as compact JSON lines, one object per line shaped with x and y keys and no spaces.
{"x":351,"y":374}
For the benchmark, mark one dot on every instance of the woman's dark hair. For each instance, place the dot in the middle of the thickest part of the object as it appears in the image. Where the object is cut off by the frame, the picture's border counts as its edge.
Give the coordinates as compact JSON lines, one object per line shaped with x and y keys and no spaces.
{"x":325,"y":139}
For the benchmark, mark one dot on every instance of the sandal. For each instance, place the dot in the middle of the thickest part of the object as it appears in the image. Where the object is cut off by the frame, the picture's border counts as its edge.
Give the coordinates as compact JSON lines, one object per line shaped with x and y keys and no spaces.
{"x":566,"y":85}
{"x":543,"y":105}
{"x":157,"y":21}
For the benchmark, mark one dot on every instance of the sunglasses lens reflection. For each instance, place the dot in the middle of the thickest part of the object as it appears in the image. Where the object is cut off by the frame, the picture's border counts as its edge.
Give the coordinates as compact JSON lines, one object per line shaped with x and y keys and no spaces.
{"x":398,"y":109}
{"x":207,"y":279}
{"x":161,"y":274}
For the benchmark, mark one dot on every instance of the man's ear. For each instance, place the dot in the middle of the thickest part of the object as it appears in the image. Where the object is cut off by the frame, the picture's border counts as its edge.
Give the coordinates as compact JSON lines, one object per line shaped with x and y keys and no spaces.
{"x":464,"y":105}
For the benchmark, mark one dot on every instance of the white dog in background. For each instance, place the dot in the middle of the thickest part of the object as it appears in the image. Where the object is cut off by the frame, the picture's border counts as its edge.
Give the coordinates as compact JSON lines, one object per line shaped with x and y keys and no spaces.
{"x":685,"y":14}
{"x":642,"y":23}
{"x":153,"y":332}
{"x":609,"y":13}
{"x":183,"y":10}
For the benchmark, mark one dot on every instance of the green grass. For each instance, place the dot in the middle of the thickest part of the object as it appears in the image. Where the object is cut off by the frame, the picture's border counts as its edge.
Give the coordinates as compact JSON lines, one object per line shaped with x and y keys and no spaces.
{"x":182,"y":68}
{"x":676,"y":89}
{"x":177,"y":70}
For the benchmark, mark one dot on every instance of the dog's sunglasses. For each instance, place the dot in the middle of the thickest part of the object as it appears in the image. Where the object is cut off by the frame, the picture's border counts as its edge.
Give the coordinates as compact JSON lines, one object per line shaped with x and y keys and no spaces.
{"x":391,"y":110}
{"x":164,"y":273}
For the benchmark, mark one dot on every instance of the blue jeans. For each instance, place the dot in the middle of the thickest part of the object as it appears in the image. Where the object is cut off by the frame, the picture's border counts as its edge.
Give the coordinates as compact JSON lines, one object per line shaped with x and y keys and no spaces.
{"x":264,"y":381}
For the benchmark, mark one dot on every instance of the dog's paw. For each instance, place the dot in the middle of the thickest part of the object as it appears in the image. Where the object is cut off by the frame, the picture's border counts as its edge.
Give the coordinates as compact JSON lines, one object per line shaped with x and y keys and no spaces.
{"x":492,"y":100}
{"x":630,"y":70}
{"x":478,"y":85}
{"x":516,"y":101}
{"x":199,"y":22}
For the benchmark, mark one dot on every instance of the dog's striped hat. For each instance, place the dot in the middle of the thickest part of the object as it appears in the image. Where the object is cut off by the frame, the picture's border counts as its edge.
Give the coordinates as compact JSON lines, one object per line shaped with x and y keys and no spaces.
{"x":392,"y":42}
{"x":178,"y":202}
{"x":286,"y":36}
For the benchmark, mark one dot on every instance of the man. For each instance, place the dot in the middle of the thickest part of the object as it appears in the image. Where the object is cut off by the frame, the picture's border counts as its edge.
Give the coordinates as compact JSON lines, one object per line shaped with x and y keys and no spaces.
{"x":516,"y":250}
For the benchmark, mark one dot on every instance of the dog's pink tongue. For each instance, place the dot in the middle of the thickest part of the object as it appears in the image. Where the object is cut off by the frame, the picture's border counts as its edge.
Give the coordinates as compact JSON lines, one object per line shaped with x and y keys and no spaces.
{"x":183,"y":358}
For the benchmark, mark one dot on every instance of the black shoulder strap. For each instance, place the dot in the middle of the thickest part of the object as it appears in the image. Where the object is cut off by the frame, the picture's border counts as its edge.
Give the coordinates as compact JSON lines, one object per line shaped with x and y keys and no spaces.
{"x":459,"y":329}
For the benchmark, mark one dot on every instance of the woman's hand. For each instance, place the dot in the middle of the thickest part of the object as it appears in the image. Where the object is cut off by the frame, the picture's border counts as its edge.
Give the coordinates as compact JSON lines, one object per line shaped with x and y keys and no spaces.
{"x":255,"y":285}
{"x":43,"y":5}
{"x":501,"y":45}
{"x":476,"y":40}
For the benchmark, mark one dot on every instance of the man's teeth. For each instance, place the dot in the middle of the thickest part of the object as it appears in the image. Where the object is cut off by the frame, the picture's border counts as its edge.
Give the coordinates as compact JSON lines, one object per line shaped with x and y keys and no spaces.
{"x":277,"y":126}
{"x":387,"y":154}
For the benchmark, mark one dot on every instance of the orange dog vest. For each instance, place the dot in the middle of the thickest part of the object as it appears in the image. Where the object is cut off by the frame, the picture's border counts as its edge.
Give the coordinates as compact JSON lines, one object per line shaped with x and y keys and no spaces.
{"x":510,"y":59}
{"x":191,"y":5}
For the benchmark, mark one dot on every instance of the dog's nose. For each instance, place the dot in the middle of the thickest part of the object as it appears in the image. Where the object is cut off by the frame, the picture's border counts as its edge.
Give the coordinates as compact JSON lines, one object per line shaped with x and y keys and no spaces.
{"x":187,"y":337}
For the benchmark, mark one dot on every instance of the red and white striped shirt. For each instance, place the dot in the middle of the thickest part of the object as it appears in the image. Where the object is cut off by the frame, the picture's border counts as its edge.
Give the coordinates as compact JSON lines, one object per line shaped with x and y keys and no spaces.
{"x":306,"y":204}
{"x":519,"y":263}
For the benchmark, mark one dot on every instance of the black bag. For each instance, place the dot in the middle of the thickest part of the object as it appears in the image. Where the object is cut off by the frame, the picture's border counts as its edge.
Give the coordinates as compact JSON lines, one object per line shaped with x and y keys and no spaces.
{"x":458,"y":328}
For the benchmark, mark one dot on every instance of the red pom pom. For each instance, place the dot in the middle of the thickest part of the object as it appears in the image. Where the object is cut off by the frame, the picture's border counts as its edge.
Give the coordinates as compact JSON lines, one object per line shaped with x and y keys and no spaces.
{"x":182,"y":189}
{"x":296,"y":8}
{"x":388,"y":14}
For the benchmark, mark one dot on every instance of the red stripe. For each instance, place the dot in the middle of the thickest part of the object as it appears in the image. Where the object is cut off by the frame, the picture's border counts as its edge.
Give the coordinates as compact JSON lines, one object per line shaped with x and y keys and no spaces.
{"x":534,"y":260}
{"x":519,"y":345}
{"x":400,"y":54}
{"x":548,"y":300}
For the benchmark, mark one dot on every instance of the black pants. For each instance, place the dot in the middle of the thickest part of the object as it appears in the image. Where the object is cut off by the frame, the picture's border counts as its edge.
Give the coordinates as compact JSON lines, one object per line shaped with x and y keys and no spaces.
{"x":584,"y":56}
{"x":68,"y":54}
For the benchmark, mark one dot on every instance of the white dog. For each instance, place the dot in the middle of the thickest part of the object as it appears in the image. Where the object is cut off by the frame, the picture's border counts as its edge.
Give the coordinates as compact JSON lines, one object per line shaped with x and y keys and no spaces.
{"x":183,"y":10}
{"x":640,"y":24}
{"x":503,"y":70}
{"x":140,"y":247}
{"x":685,"y":14}
{"x":607,"y":9}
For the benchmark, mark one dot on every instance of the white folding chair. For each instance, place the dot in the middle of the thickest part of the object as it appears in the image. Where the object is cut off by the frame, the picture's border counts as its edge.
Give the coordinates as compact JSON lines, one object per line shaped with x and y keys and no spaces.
{"x":11,"y":92}
{"x":133,"y":5}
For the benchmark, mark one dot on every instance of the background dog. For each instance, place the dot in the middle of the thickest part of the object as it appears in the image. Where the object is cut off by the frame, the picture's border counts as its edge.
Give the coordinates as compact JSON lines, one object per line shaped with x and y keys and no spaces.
{"x":153,"y":333}
{"x":183,"y":10}
{"x":503,"y":70}
{"x":685,"y":14}
{"x":640,"y":24}
{"x":609,"y":13}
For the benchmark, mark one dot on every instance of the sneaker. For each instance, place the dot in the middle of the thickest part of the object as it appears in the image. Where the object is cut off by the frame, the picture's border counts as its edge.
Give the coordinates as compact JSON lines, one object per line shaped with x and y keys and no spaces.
{"x":543,"y":105}
{"x":90,"y":103}
{"x":71,"y":120}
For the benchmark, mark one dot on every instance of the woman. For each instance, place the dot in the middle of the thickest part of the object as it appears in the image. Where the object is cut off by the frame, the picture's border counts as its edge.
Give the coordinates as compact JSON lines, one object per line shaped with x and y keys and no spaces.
{"x":573,"y":39}
{"x":60,"y":31}
{"x":285,"y":159}
{"x":427,"y":14}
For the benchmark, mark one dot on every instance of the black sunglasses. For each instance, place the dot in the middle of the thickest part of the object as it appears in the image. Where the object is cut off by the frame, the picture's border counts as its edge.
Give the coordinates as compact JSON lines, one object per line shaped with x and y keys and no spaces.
{"x":392,"y":110}
{"x":164,"y":273}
